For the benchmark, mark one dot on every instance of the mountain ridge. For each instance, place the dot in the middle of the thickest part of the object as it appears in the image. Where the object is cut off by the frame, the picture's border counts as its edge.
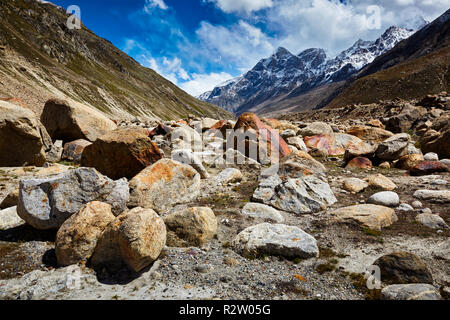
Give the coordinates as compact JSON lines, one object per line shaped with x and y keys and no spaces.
{"x":41,"y":58}
{"x":292,"y":75}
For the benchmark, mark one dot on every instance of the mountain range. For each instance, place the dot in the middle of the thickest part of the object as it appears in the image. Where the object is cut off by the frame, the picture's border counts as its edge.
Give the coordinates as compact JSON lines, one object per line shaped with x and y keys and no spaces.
{"x":288,"y":82}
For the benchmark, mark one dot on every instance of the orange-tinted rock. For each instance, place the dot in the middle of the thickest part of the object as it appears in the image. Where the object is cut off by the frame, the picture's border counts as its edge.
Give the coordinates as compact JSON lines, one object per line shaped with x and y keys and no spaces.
{"x":324,"y":141}
{"x":376,"y":123}
{"x":264,"y":134}
{"x":369,"y":133}
{"x":15,"y":101}
{"x":222,"y":126}
{"x":409,"y":161}
{"x":121,"y":153}
{"x":359,"y":163}
{"x":428,"y":167}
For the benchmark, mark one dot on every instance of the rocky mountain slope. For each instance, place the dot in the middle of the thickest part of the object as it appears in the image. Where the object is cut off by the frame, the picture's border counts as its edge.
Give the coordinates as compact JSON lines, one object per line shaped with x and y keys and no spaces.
{"x":280,"y":79}
{"x":41,"y":58}
{"x":413,"y":68}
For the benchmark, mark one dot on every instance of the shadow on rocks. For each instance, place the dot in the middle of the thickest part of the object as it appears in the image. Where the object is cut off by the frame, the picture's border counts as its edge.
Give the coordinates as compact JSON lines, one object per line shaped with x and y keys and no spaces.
{"x":117,"y":274}
{"x":27,"y":233}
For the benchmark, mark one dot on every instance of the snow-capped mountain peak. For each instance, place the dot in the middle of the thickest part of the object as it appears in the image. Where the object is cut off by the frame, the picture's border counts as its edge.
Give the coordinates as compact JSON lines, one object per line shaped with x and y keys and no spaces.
{"x":283,"y":71}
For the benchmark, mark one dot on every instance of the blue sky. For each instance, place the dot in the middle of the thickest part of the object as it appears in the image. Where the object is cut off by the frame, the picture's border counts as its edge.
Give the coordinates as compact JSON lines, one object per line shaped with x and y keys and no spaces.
{"x":198,"y":44}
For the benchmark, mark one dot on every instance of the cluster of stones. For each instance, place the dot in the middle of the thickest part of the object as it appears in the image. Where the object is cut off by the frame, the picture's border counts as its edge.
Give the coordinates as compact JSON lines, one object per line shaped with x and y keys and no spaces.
{"x":124,"y":203}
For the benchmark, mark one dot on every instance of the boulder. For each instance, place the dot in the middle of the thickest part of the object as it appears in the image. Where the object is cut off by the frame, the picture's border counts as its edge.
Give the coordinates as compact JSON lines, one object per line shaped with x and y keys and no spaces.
{"x":359,"y":163}
{"x":257,"y":140}
{"x":378,"y":181}
{"x":74,"y":150}
{"x":21,"y":141}
{"x":403,"y":268}
{"x":69,"y":121}
{"x":367,"y":215}
{"x":78,"y":236}
{"x":432,"y":221}
{"x":431,"y":156}
{"x":405,"y":120}
{"x":121,"y":153}
{"x":325,"y":141}
{"x":296,"y":188}
{"x":385,"y":198}
{"x":369,"y":133}
{"x":163,"y":185}
{"x":261,"y":211}
{"x":229,"y":175}
{"x":48,"y":202}
{"x":190,"y":227}
{"x":426,"y":168}
{"x":188,"y":157}
{"x":298,"y":143}
{"x":160,"y":130}
{"x":408,"y":161}
{"x":315,"y":129}
{"x":136,"y":237}
{"x":339,"y":143}
{"x":355,"y":185}
{"x":10,"y":219}
{"x":394,"y":148}
{"x":438,"y":196}
{"x":438,"y":143}
{"x":55,"y":153}
{"x":275,"y":239}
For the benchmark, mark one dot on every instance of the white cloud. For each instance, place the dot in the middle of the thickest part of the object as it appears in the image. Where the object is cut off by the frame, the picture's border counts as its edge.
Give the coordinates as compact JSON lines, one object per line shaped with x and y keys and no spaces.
{"x":241,"y":44}
{"x":201,"y":83}
{"x":246,"y":6}
{"x":150,"y":4}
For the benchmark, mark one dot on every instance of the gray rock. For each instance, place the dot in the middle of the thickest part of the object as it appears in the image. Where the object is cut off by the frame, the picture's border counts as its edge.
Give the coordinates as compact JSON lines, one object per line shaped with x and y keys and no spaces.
{"x":298,"y":143}
{"x":431,"y":156}
{"x":296,"y":195}
{"x":432,"y":221}
{"x":55,"y":154}
{"x":47,"y":203}
{"x":413,"y":291}
{"x":289,"y":133}
{"x":10,"y":219}
{"x":261,"y":211}
{"x":417,"y":204}
{"x":229,"y":175}
{"x":439,"y":196}
{"x":405,"y":207}
{"x":188,"y":157}
{"x":276,"y":239}
{"x":445,"y":161}
{"x":315,"y":129}
{"x":386,"y":198}
{"x":394,"y":147}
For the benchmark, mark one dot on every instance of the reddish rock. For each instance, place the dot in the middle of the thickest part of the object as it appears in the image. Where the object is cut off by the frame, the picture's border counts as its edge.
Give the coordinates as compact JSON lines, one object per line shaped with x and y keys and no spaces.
{"x":121,"y":153}
{"x":273,"y":123}
{"x":324,"y":141}
{"x":15,"y":101}
{"x":359,"y":163}
{"x":222,"y":126}
{"x":428,"y":167}
{"x":160,"y":130}
{"x":265,"y":135}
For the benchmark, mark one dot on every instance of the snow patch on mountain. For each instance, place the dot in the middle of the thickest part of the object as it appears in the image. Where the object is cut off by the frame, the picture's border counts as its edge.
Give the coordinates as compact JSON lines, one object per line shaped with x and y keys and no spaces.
{"x":283,"y":71}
